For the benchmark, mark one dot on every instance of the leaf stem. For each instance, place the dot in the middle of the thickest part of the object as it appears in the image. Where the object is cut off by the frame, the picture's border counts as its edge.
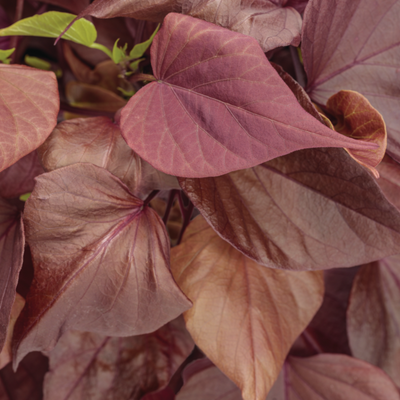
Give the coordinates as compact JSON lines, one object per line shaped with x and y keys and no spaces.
{"x":103,"y":48}
{"x":85,"y":111}
{"x":150,"y":197}
{"x":298,"y":68}
{"x":311,"y":342}
{"x":141,"y":77}
{"x":187,"y":212}
{"x":14,"y":39}
{"x":171,"y":198}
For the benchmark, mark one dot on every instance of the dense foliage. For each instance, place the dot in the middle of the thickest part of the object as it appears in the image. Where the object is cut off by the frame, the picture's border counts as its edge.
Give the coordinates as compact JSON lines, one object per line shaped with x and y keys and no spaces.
{"x":199,"y":199}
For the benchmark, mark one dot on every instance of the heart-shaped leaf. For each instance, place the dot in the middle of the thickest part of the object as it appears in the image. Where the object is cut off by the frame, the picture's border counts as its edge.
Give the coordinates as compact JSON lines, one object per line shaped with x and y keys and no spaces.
{"x":29,"y":105}
{"x":12,"y":243}
{"x":312,"y":209}
{"x":332,"y":377}
{"x":245,"y":317}
{"x":389,"y":180}
{"x":373,"y":315}
{"x":89,"y":366}
{"x":99,"y":141}
{"x":359,"y":49}
{"x":192,"y":123}
{"x":101,"y":261}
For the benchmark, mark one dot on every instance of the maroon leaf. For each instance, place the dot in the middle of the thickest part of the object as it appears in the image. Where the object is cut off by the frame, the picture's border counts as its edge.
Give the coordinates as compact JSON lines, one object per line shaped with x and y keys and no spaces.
{"x":27,"y":382}
{"x":269,"y":22}
{"x":99,"y":141}
{"x":203,"y":380}
{"x":373,"y":316}
{"x":332,"y":377}
{"x":151,"y":10}
{"x":19,"y":178}
{"x":101,"y":261}
{"x":327,"y":332}
{"x":11,"y":254}
{"x":90,"y":366}
{"x":29,"y":106}
{"x":74,"y":6}
{"x":191,"y":122}
{"x":389,"y":180}
{"x":245,"y":317}
{"x":314,"y":209}
{"x":355,"y":46}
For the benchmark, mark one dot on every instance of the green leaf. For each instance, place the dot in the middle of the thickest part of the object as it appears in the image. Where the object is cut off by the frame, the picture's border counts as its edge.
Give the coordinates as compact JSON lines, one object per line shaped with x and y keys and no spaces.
{"x":141,"y":48}
{"x":119,"y":53}
{"x":126,"y":93}
{"x":4,"y":54}
{"x":24,"y":197}
{"x":135,"y":65}
{"x":38,"y":63}
{"x":52,"y":24}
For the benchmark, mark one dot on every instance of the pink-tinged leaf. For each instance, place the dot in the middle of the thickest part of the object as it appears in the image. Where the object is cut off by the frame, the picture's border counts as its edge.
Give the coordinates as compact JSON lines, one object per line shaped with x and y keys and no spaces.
{"x":151,"y":10}
{"x":5,"y":354}
{"x":27,"y":382}
{"x":373,"y":317}
{"x":29,"y":105}
{"x":332,"y":377}
{"x":327,"y":332}
{"x":164,"y":394}
{"x":245,"y":317}
{"x":101,"y":261}
{"x":389,"y":181}
{"x":99,"y":141}
{"x":270,"y":23}
{"x":354,"y":45}
{"x":203,"y":380}
{"x":11,"y":255}
{"x":191,"y":121}
{"x":90,"y":366}
{"x":356,"y":118}
{"x":19,"y":178}
{"x":312,"y":209}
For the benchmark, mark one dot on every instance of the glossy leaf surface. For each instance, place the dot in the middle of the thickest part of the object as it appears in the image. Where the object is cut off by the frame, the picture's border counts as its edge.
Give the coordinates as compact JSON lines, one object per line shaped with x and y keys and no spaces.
{"x":332,"y":377}
{"x":19,"y":178}
{"x":271,"y":24}
{"x":356,"y":118}
{"x":335,"y":215}
{"x":90,"y":366}
{"x":101,"y":261}
{"x":99,"y":141}
{"x":203,"y":380}
{"x":244,"y":317}
{"x":373,"y":316}
{"x":29,"y":106}
{"x":11,"y":255}
{"x":192,"y":123}
{"x":51,"y":24}
{"x":359,"y":49}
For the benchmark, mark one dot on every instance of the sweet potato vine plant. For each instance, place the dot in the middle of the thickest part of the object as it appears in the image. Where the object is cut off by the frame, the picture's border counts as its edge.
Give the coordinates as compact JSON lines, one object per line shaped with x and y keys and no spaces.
{"x":211,"y":217}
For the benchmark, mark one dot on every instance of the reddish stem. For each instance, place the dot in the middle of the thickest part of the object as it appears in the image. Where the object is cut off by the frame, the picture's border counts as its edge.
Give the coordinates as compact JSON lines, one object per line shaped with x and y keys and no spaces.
{"x":150,"y":197}
{"x":14,"y":39}
{"x":187,"y":212}
{"x":170,"y":203}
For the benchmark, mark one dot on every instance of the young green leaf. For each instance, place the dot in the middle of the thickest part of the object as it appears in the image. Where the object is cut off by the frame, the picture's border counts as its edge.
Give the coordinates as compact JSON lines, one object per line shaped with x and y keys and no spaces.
{"x":4,"y":54}
{"x":52,"y":24}
{"x":38,"y":63}
{"x":141,"y":48}
{"x":118,"y":53}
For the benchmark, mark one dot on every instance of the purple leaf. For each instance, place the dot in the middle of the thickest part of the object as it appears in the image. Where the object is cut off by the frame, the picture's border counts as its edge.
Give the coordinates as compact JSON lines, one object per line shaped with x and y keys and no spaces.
{"x":354,"y":45}
{"x":373,"y":315}
{"x":11,"y":255}
{"x":192,"y":123}
{"x":101,"y":261}
{"x":19,"y":178}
